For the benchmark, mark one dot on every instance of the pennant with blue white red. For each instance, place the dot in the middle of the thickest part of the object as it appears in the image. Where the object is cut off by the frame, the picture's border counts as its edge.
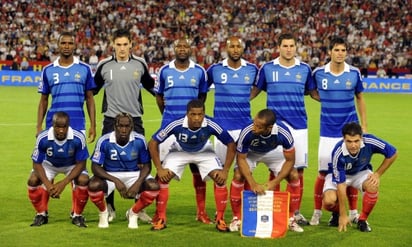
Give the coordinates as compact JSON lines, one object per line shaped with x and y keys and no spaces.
{"x":265,"y":216}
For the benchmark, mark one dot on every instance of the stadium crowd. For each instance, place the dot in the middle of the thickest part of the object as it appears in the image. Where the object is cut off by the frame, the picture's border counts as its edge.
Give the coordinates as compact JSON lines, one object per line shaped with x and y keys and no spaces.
{"x":379,"y":32}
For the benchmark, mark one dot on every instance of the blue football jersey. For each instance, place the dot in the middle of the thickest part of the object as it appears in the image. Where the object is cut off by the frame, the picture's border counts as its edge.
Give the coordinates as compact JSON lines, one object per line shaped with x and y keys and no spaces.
{"x":60,"y":153}
{"x":115,"y":158}
{"x":232,"y":93}
{"x":67,"y":87}
{"x":179,"y":87}
{"x":286,"y":87}
{"x":192,"y":140}
{"x":280,"y":136}
{"x":337,"y":94}
{"x":344,"y":164}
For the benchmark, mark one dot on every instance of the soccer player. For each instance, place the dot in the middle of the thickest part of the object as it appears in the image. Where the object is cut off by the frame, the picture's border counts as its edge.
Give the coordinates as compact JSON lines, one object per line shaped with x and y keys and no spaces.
{"x":121,"y":161}
{"x":69,"y":82}
{"x":351,"y":166}
{"x":59,"y":150}
{"x":192,"y":145}
{"x":180,"y":81}
{"x":271,"y":143}
{"x":233,"y":79}
{"x":286,"y":81}
{"x":338,"y":84}
{"x":122,"y":75}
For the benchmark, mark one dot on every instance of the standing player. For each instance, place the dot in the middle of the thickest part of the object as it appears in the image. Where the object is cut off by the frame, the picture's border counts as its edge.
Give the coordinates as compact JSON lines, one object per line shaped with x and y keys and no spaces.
{"x":180,"y":81}
{"x":192,"y":145}
{"x":351,"y":166}
{"x":59,"y":150}
{"x":121,"y":161}
{"x":286,"y":81}
{"x":122,"y":75}
{"x":233,"y":79}
{"x":272,"y":144}
{"x":69,"y":82}
{"x":338,"y":83}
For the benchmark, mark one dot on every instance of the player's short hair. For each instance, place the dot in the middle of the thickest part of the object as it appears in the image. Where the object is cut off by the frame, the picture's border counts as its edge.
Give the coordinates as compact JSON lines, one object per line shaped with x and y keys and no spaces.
{"x":119,"y":33}
{"x":61,"y":114}
{"x":268,"y":115}
{"x":187,"y":40}
{"x":65,"y":33}
{"x":352,"y":129}
{"x":337,"y":41}
{"x":195,"y":103}
{"x":123,"y":115}
{"x":235,"y":37}
{"x":285,"y":36}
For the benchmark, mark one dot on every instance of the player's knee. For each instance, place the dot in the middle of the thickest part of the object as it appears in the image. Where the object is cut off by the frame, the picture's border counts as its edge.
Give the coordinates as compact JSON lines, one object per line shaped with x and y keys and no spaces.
{"x":329,"y":199}
{"x":96,"y":184}
{"x":151,"y":185}
{"x":237,"y":176}
{"x":82,"y":180}
{"x":293,"y":175}
{"x":33,"y":180}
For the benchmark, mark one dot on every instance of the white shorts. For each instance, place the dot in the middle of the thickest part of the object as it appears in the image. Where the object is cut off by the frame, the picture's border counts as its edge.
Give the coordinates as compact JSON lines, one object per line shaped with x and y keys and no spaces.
{"x":165,"y":146}
{"x":206,"y":160}
{"x":355,"y":181}
{"x":326,"y":145}
{"x":52,"y":171}
{"x":221,"y":149}
{"x":300,"y":137}
{"x":128,"y":178}
{"x":273,"y":160}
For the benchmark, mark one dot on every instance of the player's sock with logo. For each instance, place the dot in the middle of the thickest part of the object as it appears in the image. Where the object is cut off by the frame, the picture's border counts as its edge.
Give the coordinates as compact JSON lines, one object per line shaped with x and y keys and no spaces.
{"x":200,"y":190}
{"x":220,"y":200}
{"x":162,"y":199}
{"x":320,"y":181}
{"x":98,"y":199}
{"x":352,"y":194}
{"x":271,"y":177}
{"x":37,"y":199}
{"x":293,"y":187}
{"x":80,"y":199}
{"x":236,"y":188}
{"x":146,"y":198}
{"x":368,"y":203}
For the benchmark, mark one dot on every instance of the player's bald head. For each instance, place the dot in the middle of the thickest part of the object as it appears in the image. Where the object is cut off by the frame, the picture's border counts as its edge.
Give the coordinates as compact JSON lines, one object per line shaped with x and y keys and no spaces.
{"x":235,"y":39}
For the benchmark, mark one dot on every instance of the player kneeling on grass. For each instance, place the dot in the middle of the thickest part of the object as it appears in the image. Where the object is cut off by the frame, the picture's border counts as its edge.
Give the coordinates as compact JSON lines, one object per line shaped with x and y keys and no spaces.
{"x":59,"y":150}
{"x":121,"y":161}
{"x":271,"y":143}
{"x":192,"y":145}
{"x":351,"y":166}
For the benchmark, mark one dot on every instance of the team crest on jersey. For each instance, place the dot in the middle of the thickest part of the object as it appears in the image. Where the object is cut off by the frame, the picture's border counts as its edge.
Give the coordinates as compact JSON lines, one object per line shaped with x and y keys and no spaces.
{"x":96,"y":155}
{"x":298,"y":77}
{"x":348,"y":84}
{"x":77,"y":77}
{"x":136,"y":74}
{"x":70,"y":152}
{"x":193,"y":81}
{"x":247,"y":79}
{"x":133,"y":154}
{"x":162,"y":134}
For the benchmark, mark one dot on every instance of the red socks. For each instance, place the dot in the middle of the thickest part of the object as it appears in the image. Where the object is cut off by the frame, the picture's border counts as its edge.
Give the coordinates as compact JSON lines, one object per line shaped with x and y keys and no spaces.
{"x":200,"y":190}
{"x":80,"y":195}
{"x":293,"y":187}
{"x":368,"y":203}
{"x":236,"y":189}
{"x":98,"y":199}
{"x":146,"y":198}
{"x":39,"y":198}
{"x":162,"y":199}
{"x":220,"y":200}
{"x":318,"y":191}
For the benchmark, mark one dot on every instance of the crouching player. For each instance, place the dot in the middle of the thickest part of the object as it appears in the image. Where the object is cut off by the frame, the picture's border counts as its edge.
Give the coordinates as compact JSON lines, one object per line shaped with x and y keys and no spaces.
{"x":192,"y":145}
{"x":59,"y":150}
{"x":121,"y":161}
{"x":351,"y":166}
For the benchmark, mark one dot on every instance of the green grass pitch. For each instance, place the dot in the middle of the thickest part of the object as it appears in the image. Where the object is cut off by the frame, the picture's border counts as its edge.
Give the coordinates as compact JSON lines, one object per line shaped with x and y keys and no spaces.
{"x":389,"y":117}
